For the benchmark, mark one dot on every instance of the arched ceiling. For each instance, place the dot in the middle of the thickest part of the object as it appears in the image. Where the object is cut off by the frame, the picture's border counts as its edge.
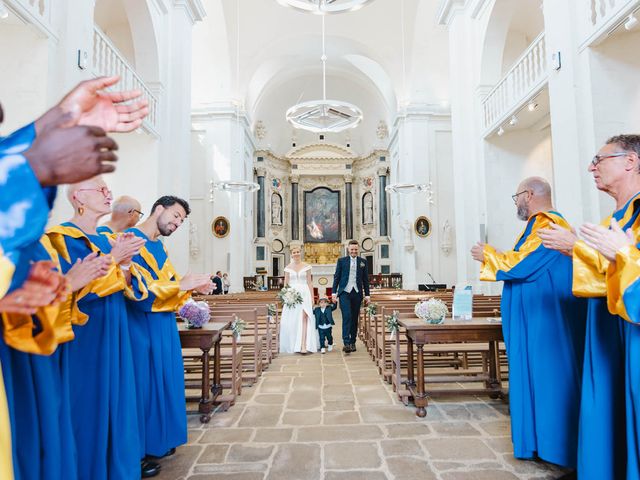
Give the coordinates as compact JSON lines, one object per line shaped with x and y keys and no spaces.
{"x":279,"y":61}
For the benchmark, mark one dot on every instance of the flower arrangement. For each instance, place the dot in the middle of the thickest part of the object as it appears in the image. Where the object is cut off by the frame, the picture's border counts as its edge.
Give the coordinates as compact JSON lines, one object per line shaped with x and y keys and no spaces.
{"x":372,"y":309}
{"x":397,"y":284}
{"x":272,"y":310}
{"x":237,"y":326}
{"x":289,"y":296}
{"x":433,"y":310}
{"x":391,"y":323}
{"x":195,"y":314}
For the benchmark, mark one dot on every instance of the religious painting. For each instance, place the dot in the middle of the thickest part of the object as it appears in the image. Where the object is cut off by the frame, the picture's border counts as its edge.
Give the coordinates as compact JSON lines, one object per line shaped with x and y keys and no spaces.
{"x":220,"y":227}
{"x":423,"y":227}
{"x":322,"y":216}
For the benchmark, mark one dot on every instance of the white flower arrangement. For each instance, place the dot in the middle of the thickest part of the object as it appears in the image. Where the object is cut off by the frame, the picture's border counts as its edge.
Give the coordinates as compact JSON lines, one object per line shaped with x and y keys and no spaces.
{"x":289,"y":296}
{"x":433,"y":310}
{"x":397,"y":284}
{"x":372,"y":308}
{"x":391,"y":323}
{"x":237,"y":327}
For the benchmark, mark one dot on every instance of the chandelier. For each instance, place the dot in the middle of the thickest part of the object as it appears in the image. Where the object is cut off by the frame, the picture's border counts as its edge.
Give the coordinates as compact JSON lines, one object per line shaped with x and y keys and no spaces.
{"x":322,"y":7}
{"x":410,"y":188}
{"x":319,"y":116}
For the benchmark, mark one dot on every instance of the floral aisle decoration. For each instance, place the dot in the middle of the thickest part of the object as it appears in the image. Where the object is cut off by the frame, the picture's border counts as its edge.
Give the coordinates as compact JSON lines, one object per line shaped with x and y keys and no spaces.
{"x":372,"y":309}
{"x":237,"y":326}
{"x":289,"y":296}
{"x":195,"y":314}
{"x":391,"y":323}
{"x":397,"y":284}
{"x":433,"y":310}
{"x":272,"y":310}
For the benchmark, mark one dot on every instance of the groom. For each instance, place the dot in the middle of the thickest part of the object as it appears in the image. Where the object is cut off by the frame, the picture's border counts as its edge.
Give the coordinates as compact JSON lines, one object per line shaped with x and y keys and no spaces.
{"x":349,"y":282}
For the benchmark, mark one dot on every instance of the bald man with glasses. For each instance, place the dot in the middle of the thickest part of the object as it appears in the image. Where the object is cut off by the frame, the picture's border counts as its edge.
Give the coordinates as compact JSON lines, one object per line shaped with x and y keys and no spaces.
{"x":125,"y":213}
{"x":543,"y":325}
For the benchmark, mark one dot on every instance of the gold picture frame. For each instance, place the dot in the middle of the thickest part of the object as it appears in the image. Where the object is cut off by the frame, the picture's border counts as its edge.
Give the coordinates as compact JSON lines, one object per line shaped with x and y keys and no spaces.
{"x":220,"y":227}
{"x":422,"y":227}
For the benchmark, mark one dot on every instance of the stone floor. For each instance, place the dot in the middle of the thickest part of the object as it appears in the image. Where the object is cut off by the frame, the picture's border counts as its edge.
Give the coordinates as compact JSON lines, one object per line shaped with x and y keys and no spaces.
{"x":332,"y":417}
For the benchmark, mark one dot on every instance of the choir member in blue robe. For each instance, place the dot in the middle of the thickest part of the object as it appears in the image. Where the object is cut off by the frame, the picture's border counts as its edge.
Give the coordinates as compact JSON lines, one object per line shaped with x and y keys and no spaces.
{"x":126,"y":212}
{"x":154,"y":332}
{"x":543,"y":327}
{"x":609,"y":425}
{"x":100,"y":363}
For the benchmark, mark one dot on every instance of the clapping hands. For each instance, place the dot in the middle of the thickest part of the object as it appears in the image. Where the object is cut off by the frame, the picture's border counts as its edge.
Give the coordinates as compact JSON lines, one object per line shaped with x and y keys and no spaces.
{"x":125,"y":247}
{"x":607,"y":241}
{"x":44,"y":286}
{"x":89,"y":268}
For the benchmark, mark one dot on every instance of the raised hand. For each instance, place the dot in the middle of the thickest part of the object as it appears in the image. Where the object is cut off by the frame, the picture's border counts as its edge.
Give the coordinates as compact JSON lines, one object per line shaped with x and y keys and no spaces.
{"x":44,"y":286}
{"x":125,"y":247}
{"x":89,"y":105}
{"x":196,"y":281}
{"x":89,"y":268}
{"x":62,"y":154}
{"x":477,"y":252}
{"x":558,"y":238}
{"x":606,"y":241}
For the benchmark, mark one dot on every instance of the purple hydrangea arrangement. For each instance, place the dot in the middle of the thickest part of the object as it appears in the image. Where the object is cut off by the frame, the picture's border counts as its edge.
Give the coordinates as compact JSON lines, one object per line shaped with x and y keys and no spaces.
{"x":195,"y":314}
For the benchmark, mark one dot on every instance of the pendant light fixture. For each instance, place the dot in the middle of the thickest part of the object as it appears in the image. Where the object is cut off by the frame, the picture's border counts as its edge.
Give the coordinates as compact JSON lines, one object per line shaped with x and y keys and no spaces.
{"x":322,"y":7}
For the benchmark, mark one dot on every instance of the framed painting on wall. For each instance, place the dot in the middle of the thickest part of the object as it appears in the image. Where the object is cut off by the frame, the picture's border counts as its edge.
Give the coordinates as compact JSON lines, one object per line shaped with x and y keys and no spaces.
{"x":322,"y":216}
{"x":220,"y":227}
{"x":423,"y":227}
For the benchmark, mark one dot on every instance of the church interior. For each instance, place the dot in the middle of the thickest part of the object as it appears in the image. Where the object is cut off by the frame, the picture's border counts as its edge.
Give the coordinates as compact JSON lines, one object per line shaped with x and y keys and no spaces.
{"x":402,"y":126}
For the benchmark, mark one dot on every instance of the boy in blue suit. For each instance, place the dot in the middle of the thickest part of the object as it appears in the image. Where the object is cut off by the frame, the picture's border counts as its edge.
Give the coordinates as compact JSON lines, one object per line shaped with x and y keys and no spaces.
{"x":324,"y":322}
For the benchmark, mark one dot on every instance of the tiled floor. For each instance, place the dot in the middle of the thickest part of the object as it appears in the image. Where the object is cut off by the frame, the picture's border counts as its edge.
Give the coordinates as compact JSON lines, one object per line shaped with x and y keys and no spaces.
{"x":332,"y":417}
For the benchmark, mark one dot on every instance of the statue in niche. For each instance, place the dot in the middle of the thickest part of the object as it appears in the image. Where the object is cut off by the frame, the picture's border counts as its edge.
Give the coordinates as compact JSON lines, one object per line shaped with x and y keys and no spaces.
{"x":407,"y":226}
{"x":447,"y":239}
{"x":276,"y":209}
{"x":367,"y":208}
{"x":194,"y":244}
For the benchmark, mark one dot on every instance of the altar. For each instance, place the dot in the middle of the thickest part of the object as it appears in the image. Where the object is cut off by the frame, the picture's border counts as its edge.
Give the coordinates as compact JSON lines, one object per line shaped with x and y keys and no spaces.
{"x":322,"y":277}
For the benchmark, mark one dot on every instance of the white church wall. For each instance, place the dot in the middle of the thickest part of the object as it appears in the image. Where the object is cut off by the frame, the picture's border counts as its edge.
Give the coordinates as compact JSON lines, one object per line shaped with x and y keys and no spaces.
{"x":509,"y":160}
{"x":614,"y":67}
{"x":24,"y":84}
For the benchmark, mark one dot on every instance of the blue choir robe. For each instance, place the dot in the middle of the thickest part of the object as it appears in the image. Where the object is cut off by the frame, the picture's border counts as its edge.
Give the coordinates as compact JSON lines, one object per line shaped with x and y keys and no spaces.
{"x":543,"y":326}
{"x":100,"y":363}
{"x":38,"y":389}
{"x":157,"y":352}
{"x":609,"y":424}
{"x":623,"y":299}
{"x":21,"y":198}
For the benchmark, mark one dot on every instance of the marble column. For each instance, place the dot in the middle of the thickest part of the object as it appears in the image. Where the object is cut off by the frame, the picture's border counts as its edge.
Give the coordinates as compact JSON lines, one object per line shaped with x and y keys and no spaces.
{"x":348,"y":196}
{"x":295,"y":217}
{"x":261,"y":210}
{"x":382,"y":202}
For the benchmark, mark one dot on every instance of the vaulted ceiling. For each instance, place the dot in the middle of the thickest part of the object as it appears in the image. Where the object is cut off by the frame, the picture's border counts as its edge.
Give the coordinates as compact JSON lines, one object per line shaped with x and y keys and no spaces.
{"x":278,"y":62}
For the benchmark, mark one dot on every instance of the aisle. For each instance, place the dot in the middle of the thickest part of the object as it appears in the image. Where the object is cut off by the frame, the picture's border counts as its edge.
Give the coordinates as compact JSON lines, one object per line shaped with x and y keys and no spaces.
{"x":331,"y":417}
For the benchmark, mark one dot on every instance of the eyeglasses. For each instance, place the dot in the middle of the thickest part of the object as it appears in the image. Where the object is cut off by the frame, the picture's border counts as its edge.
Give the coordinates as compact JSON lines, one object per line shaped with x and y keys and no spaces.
{"x":515,"y":197}
{"x":104,"y":190}
{"x":598,"y":158}
{"x":140,"y":214}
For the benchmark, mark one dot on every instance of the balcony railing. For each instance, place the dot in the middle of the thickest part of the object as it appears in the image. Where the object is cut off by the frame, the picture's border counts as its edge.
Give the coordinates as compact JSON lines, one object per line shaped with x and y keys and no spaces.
{"x":524,"y":79}
{"x":36,"y":12}
{"x":601,"y":16}
{"x":107,"y":60}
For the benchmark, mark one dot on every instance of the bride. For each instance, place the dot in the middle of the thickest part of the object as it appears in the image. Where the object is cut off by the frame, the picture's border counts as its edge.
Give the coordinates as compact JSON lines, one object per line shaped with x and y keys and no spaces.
{"x":297,"y":324}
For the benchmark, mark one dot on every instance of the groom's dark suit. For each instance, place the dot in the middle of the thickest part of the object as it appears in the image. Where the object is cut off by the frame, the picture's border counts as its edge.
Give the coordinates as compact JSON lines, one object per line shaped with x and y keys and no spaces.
{"x":350,"y":301}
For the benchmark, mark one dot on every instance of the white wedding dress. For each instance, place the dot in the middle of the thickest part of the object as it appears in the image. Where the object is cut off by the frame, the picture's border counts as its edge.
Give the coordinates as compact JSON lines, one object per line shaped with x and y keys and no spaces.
{"x":291,"y":321}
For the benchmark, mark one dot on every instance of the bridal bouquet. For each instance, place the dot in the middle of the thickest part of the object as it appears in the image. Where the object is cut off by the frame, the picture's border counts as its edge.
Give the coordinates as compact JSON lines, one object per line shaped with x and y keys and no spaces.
{"x":195,"y":314}
{"x":433,"y":310}
{"x":289,"y":296}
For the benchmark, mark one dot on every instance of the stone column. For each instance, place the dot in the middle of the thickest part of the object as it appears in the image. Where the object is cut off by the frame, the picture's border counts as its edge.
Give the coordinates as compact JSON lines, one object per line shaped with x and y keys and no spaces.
{"x":348,"y":196}
{"x":260,"y":172}
{"x":382,"y":202}
{"x":295,"y":217}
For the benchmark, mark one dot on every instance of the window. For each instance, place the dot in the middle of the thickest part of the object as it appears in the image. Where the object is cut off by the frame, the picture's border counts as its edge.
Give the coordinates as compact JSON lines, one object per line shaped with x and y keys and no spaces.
{"x":260,"y":159}
{"x":260,"y":253}
{"x":385,"y":269}
{"x":384,"y":251}
{"x":383,"y":159}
